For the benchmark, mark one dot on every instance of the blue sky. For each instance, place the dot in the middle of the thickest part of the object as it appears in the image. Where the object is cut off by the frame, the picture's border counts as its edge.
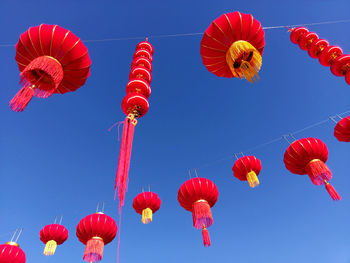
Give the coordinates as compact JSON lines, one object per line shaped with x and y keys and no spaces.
{"x":58,"y":158}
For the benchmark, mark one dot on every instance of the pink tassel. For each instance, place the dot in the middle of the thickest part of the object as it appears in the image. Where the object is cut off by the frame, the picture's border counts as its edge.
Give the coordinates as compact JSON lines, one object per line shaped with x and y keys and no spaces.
{"x":206,"y":237}
{"x":21,"y":99}
{"x":318,"y":172}
{"x":332,"y":192}
{"x":201,"y":214}
{"x":94,"y":250}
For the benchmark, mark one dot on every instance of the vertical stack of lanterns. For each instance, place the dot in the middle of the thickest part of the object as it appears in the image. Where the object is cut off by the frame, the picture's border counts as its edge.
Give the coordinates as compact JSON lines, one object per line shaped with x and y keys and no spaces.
{"x":134,"y":105}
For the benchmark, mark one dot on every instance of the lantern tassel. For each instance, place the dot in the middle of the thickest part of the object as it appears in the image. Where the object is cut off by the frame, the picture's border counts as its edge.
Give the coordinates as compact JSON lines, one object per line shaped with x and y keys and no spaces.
{"x":252,"y":179}
{"x":206,"y":237}
{"x":318,"y":172}
{"x":94,"y":250}
{"x":50,"y":248}
{"x":201,"y":214}
{"x":332,"y":192}
{"x":147,"y":215}
{"x":22,"y":98}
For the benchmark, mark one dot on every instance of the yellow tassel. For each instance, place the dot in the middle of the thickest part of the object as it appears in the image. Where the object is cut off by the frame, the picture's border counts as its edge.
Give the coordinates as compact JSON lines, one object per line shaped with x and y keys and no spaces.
{"x":244,"y":60}
{"x":50,"y":248}
{"x":147,"y":216}
{"x":252,"y":179}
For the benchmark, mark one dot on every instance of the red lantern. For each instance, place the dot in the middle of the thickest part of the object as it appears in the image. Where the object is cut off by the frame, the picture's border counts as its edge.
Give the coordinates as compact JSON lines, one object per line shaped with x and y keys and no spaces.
{"x":319,"y":48}
{"x":51,"y":60}
{"x":308,"y":156}
{"x":96,"y":231}
{"x":52,"y":236}
{"x":342,"y":130}
{"x":135,"y":105}
{"x":247,"y":168}
{"x":146,"y":204}
{"x":11,"y":253}
{"x":198,"y":195}
{"x":232,"y":46}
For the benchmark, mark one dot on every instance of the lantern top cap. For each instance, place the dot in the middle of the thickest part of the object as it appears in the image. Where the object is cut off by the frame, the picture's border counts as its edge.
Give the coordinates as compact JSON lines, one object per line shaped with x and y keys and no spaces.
{"x":11,"y":243}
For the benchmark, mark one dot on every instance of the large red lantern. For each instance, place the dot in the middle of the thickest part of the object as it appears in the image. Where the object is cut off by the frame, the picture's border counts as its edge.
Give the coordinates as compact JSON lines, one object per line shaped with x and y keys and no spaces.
{"x":319,"y":48}
{"x":342,"y":130}
{"x":308,"y":156}
{"x":11,"y":253}
{"x":247,"y":168}
{"x":232,"y":46}
{"x":96,"y":231}
{"x":135,"y":105}
{"x":52,"y":236}
{"x":198,"y":195}
{"x":51,"y":59}
{"x":146,"y":204}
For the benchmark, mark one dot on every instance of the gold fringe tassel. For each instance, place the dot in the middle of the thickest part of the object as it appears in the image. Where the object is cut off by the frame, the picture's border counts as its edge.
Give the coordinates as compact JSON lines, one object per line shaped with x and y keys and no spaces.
{"x":147,"y":216}
{"x":252,"y":179}
{"x":50,"y":248}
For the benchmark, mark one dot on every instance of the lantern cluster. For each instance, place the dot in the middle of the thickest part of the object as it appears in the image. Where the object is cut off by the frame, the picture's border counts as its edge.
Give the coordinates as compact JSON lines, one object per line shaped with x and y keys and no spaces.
{"x":146,"y":204}
{"x":53,"y":235}
{"x":247,"y":168}
{"x":328,"y":56}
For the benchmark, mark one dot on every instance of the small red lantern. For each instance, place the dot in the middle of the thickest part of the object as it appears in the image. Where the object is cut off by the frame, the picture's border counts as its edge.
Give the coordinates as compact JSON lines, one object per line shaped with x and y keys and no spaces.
{"x":11,"y":253}
{"x":232,"y":46}
{"x":51,"y":60}
{"x":52,"y":236}
{"x":319,"y":48}
{"x":247,"y":168}
{"x":198,"y":195}
{"x":308,"y":156}
{"x":342,"y":130}
{"x":96,"y":231}
{"x":146,"y":204}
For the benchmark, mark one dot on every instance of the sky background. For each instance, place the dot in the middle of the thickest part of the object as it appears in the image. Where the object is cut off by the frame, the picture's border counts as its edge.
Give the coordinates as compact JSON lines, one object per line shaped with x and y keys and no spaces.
{"x":57,"y":157}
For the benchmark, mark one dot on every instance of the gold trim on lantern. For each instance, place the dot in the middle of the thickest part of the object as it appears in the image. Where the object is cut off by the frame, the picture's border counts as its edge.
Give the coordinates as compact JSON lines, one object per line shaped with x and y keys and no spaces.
{"x":312,"y":161}
{"x":97,"y":238}
{"x":200,"y":200}
{"x":54,"y":60}
{"x":11,"y":243}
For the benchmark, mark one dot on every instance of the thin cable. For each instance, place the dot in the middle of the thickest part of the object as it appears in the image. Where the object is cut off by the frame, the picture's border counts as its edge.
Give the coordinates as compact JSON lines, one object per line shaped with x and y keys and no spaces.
{"x":310,"y":24}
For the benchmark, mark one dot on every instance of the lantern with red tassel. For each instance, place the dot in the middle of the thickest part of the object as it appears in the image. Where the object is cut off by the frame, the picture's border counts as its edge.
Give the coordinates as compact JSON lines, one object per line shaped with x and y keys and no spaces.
{"x":11,"y":253}
{"x":319,"y":48}
{"x":342,"y":130}
{"x":198,"y":195}
{"x":51,"y":60}
{"x":247,"y":168}
{"x":146,"y":204}
{"x":233,"y":45}
{"x":308,"y":156}
{"x":135,"y":105}
{"x":96,"y":231}
{"x":52,"y":236}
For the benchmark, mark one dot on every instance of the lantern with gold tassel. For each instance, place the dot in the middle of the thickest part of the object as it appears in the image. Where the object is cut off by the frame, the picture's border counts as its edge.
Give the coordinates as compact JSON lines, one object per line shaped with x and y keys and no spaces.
{"x":146,"y":204}
{"x":247,"y":168}
{"x":52,"y":236}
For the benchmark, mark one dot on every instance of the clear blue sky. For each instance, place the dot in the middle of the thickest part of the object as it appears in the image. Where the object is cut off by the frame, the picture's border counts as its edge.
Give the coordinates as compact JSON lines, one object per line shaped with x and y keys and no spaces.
{"x":58,"y":158}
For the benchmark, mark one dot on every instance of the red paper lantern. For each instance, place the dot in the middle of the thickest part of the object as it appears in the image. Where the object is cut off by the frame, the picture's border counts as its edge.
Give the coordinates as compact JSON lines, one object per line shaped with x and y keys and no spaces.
{"x":146,"y":204}
{"x":342,"y":130}
{"x":319,"y":48}
{"x":51,"y":60}
{"x":247,"y":168}
{"x":11,"y":253}
{"x":308,"y":156}
{"x":232,"y":46}
{"x":96,"y":231}
{"x":198,"y":195}
{"x":52,"y":236}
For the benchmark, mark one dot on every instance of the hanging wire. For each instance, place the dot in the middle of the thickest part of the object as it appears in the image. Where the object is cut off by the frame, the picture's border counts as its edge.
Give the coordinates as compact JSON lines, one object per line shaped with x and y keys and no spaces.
{"x":13,"y":236}
{"x":19,"y":234}
{"x":61,"y":220}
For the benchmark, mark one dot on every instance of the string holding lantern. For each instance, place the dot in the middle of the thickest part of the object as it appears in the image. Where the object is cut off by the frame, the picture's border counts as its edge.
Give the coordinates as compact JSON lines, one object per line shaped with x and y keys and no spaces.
{"x":11,"y":252}
{"x":51,"y":59}
{"x":95,"y":231}
{"x":342,"y":129}
{"x":146,"y":204}
{"x":308,"y":156}
{"x":52,"y":236}
{"x":328,"y":56}
{"x":232,"y":46}
{"x":247,"y":168}
{"x":198,"y":195}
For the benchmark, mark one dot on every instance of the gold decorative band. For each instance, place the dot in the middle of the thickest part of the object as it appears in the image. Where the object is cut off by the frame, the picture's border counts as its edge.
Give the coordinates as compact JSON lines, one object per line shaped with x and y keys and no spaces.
{"x":312,"y":161}
{"x":201,"y":200}
{"x":54,"y":60}
{"x":11,"y":243}
{"x":97,"y":238}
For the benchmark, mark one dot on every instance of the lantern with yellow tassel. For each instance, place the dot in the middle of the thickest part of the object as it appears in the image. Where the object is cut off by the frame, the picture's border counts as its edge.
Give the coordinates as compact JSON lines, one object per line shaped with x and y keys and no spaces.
{"x":146,"y":204}
{"x":52,"y":236}
{"x":247,"y":168}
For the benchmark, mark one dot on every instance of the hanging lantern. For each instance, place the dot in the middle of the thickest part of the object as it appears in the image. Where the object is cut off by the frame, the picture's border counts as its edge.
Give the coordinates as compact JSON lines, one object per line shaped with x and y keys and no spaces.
{"x":51,"y":60}
{"x":96,"y":231}
{"x":52,"y":236}
{"x":232,"y":46}
{"x":319,"y":48}
{"x":135,"y":105}
{"x":342,"y":130}
{"x":198,"y":195}
{"x":247,"y":168}
{"x":308,"y":156}
{"x":146,"y":204}
{"x":11,"y":253}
